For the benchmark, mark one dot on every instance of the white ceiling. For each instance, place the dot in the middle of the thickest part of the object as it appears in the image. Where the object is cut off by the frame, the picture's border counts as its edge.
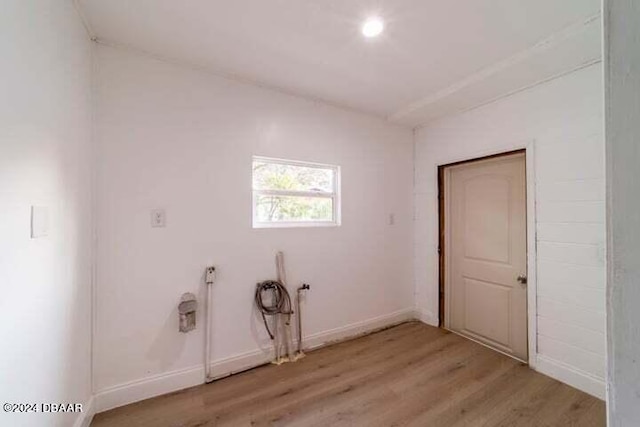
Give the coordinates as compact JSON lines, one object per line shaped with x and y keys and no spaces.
{"x":434,"y":58}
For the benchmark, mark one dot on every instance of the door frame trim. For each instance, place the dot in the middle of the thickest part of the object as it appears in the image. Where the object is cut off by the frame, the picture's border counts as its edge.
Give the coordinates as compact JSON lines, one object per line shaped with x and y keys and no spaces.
{"x":528,"y":149}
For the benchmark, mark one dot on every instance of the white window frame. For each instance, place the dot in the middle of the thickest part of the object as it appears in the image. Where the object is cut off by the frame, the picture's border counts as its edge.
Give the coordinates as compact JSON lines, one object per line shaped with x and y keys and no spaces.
{"x":334,"y":195}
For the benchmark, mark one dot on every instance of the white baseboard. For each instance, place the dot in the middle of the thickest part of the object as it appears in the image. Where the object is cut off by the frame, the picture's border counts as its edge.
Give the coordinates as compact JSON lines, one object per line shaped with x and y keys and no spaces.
{"x":350,"y":331}
{"x":145,"y":388}
{"x":84,"y":418}
{"x":426,"y":316}
{"x":571,"y":376}
{"x":241,"y":362}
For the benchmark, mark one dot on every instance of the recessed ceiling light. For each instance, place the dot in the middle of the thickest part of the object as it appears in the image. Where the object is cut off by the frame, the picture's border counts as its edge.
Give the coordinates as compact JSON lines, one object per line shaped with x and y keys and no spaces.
{"x":372,"y":27}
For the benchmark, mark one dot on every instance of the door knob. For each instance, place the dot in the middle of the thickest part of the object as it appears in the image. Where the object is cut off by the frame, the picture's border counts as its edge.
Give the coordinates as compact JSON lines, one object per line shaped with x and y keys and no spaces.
{"x":522,"y":279}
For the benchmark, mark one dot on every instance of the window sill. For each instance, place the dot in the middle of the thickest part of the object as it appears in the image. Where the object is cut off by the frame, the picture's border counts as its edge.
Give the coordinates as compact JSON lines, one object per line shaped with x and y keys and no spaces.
{"x":295,"y":225}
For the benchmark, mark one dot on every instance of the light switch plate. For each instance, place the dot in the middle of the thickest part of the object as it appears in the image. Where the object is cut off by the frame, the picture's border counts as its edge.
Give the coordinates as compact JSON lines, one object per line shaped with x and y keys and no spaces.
{"x":39,"y":221}
{"x":158,"y":218}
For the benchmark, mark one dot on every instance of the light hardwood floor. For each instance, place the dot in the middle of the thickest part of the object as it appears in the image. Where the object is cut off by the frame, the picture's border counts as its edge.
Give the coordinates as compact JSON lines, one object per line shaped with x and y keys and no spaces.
{"x":408,"y":375}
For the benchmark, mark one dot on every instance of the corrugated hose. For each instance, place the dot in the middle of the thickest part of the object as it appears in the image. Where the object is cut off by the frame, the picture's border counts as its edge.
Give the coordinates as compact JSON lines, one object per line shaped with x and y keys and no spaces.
{"x":280,"y":302}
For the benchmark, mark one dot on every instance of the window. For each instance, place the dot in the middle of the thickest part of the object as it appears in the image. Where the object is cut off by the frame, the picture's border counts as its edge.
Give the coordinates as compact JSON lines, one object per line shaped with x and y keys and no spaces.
{"x":289,"y":193}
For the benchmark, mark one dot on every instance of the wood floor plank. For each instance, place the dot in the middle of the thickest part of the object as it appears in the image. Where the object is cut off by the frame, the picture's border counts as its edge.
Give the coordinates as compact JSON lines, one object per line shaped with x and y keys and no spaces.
{"x":408,"y":375}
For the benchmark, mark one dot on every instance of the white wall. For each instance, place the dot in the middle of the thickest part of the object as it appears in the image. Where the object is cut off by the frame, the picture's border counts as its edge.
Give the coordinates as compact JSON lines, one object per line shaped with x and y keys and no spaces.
{"x":622,"y":77}
{"x":182,"y":140}
{"x":45,"y":157}
{"x":563,"y":119}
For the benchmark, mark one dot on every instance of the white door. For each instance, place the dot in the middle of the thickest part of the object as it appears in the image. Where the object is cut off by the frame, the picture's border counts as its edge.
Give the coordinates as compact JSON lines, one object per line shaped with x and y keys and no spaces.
{"x":485,"y":252}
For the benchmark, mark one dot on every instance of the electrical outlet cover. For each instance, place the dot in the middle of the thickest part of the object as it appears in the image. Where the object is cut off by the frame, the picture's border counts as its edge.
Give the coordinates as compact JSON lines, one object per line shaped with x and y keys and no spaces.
{"x":158,"y":218}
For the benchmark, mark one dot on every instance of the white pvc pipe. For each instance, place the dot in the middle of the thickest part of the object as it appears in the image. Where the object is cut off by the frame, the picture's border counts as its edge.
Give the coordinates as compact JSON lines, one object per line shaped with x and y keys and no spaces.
{"x":286,"y":327}
{"x":207,"y":346}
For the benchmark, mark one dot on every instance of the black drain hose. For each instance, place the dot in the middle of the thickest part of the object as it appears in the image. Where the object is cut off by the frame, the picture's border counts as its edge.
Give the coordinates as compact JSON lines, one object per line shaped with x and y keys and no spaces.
{"x":280,"y":301}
